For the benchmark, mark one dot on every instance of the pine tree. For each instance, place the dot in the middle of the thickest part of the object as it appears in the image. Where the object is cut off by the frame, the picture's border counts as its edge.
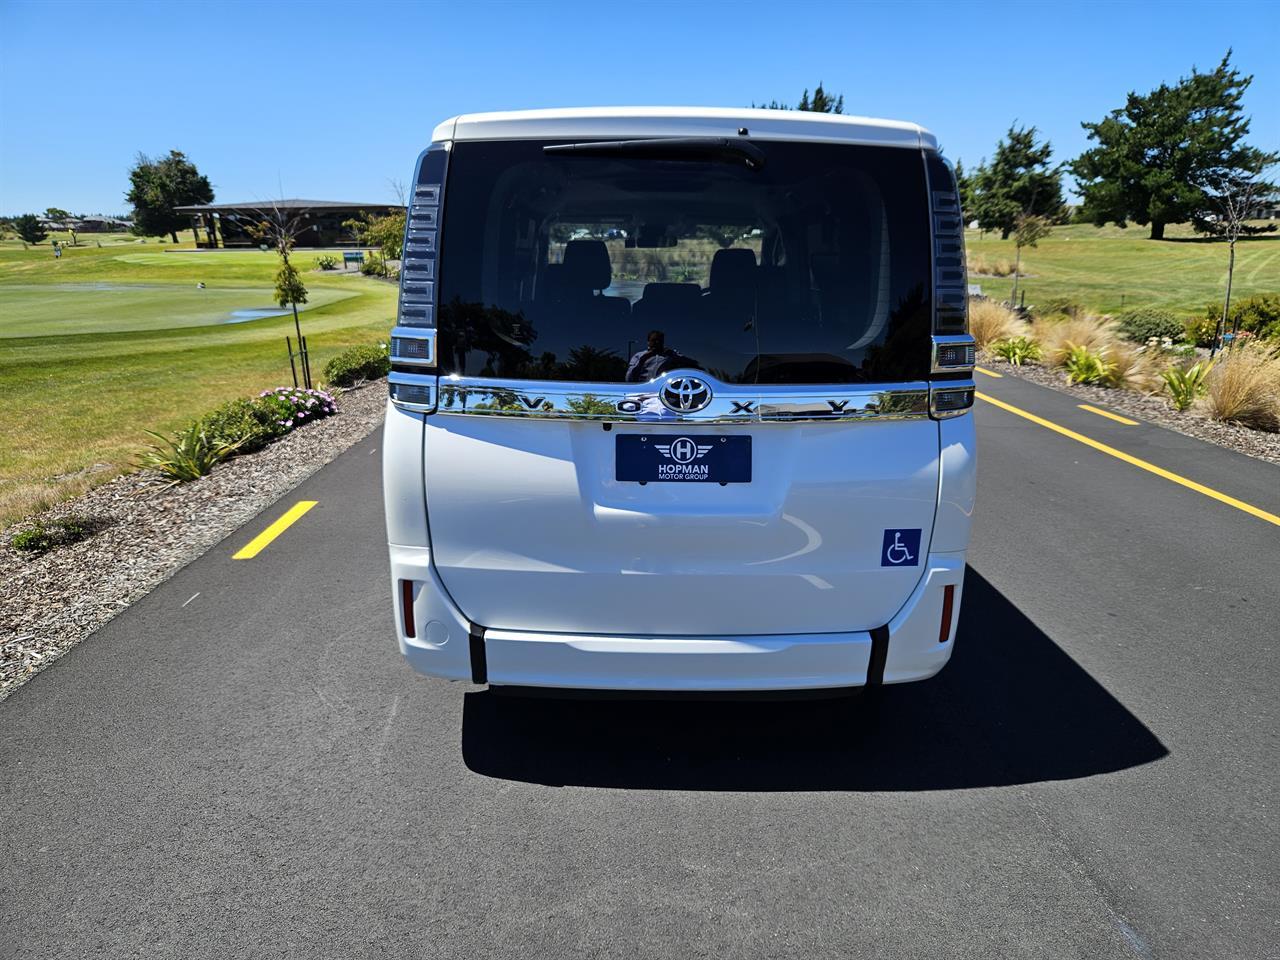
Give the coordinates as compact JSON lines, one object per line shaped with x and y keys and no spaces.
{"x":1019,"y":182}
{"x":1158,"y":154}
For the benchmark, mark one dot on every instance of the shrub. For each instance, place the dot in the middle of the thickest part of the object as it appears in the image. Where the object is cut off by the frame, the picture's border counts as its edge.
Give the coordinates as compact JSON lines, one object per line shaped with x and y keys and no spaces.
{"x":327,"y":261}
{"x":189,"y":455}
{"x":239,"y":426}
{"x":1144,"y":324}
{"x":374,"y":266}
{"x":1057,"y":307}
{"x":358,"y":363}
{"x":1201,"y":331}
{"x":291,"y":407}
{"x":1133,"y":368}
{"x":980,"y":264}
{"x":1244,"y":388}
{"x":990,"y":321}
{"x":1259,"y":315}
{"x":246,"y":424}
{"x":1085,"y":365}
{"x":1057,"y":339}
{"x":43,"y":536}
{"x":1017,"y":351}
{"x":1186,"y":384}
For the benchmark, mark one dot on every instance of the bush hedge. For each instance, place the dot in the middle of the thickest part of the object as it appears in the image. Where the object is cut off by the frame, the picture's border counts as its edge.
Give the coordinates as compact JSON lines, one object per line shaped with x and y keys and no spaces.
{"x":1143,"y":324}
{"x":235,"y":427}
{"x":1259,"y":315}
{"x":356,"y":364}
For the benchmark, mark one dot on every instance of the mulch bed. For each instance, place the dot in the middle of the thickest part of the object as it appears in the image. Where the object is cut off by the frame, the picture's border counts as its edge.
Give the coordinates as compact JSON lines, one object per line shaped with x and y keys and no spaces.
{"x":144,"y":533}
{"x":1153,"y":409}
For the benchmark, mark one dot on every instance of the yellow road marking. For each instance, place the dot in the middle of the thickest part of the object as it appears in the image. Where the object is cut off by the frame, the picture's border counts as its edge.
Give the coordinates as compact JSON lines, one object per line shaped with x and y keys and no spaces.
{"x":263,"y":540}
{"x":1108,"y":414}
{"x":989,"y":373}
{"x":1140,"y":464}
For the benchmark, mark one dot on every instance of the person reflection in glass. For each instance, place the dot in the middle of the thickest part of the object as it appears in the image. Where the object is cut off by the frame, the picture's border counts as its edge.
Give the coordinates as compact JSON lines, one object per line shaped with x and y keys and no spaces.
{"x":657,"y":359}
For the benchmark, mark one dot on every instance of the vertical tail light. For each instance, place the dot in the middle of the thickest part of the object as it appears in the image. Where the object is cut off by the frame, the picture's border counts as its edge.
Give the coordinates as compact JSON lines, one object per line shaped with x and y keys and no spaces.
{"x":954,"y":350}
{"x":950,"y":281}
{"x":413,"y":341}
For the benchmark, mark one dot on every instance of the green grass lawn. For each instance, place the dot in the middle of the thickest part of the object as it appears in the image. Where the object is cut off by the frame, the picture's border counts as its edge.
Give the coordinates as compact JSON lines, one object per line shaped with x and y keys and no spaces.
{"x":1111,"y":269}
{"x":106,"y":343}
{"x":37,"y":310}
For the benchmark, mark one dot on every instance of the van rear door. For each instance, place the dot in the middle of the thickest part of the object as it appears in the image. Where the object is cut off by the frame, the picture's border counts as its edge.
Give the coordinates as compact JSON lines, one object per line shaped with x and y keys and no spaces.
{"x":679,"y":393}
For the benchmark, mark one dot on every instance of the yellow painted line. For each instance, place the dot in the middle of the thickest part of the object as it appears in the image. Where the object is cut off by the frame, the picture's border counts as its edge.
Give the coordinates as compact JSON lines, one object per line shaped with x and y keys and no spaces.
{"x":263,"y":540}
{"x":1140,"y":464}
{"x":989,"y":373}
{"x":1108,"y":414}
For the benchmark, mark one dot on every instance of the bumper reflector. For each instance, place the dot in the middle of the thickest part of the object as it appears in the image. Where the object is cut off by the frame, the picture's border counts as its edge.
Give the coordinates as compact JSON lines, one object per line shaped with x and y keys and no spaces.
{"x":406,"y":607}
{"x":948,"y":599}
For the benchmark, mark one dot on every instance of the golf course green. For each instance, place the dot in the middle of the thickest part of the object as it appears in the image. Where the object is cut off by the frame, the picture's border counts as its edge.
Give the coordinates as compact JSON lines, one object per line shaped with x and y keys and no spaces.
{"x":105,"y":343}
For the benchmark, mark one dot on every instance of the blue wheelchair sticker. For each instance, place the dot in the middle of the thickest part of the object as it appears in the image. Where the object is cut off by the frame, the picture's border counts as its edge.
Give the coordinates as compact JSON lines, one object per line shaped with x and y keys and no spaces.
{"x":901,"y":548}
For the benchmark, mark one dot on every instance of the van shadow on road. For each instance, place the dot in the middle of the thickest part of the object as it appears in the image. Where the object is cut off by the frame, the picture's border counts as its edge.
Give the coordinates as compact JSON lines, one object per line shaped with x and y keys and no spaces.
{"x":1010,"y":708}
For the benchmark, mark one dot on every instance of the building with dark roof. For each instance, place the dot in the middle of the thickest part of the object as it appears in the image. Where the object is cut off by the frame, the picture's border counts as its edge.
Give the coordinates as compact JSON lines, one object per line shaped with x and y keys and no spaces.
{"x":224,"y":224}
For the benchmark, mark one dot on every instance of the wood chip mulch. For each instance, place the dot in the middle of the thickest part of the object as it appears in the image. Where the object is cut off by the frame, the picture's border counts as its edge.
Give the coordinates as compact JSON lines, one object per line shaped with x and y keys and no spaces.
{"x":1153,"y":409}
{"x":144,"y":533}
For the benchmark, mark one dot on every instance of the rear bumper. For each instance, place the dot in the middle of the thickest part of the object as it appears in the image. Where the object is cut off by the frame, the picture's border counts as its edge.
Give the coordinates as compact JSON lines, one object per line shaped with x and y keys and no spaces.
{"x":442,"y":646}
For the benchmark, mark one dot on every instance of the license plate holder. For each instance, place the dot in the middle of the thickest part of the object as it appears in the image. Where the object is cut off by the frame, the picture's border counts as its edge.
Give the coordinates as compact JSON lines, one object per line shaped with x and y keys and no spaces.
{"x":682,"y":458}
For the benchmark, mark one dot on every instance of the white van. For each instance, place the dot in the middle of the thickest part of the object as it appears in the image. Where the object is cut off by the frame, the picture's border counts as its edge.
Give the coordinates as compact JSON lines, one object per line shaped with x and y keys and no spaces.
{"x":680,"y":401}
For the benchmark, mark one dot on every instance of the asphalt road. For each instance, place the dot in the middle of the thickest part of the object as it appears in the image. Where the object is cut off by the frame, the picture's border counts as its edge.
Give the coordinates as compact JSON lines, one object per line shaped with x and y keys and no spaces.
{"x":255,"y":772}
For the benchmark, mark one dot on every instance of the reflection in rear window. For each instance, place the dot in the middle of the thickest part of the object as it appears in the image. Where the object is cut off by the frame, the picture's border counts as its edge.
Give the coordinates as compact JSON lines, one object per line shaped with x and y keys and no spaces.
{"x":813,"y":269}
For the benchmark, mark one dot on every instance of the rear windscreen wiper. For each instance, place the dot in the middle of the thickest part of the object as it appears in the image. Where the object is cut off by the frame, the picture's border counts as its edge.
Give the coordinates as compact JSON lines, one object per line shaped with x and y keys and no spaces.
{"x":716,"y":149}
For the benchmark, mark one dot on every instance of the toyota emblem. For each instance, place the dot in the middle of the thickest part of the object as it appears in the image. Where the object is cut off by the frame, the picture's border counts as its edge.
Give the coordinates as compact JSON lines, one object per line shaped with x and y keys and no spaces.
{"x":685,"y":394}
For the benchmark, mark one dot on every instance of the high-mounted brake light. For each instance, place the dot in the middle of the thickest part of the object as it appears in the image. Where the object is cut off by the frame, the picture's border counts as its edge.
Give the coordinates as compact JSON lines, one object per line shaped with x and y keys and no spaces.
{"x":413,"y":341}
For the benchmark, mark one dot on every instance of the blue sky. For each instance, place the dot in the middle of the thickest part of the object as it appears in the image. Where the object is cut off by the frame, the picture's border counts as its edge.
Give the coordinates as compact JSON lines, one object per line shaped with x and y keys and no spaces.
{"x":332,"y":100}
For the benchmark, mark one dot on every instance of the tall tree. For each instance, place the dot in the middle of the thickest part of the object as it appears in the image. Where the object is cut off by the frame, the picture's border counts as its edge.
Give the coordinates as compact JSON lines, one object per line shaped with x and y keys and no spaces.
{"x":1019,"y":182}
{"x":157,"y":186}
{"x":820,"y":102}
{"x":1157,"y":154}
{"x":29,"y":228}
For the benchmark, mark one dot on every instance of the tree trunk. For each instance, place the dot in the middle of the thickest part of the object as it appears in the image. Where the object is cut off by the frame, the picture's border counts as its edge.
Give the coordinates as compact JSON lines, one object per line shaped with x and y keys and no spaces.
{"x":1017,"y":269}
{"x":1226,"y":303}
{"x":174,"y":234}
{"x":1157,"y":230}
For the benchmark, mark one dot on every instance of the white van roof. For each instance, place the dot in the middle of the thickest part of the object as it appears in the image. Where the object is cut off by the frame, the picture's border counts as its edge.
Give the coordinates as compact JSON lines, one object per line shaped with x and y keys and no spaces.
{"x":621,"y":122}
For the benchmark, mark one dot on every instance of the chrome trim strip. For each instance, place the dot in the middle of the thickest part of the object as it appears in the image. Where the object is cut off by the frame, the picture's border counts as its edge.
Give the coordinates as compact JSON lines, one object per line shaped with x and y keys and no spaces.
{"x":641,"y":403}
{"x":957,"y":386}
{"x":423,"y":334}
{"x":951,"y":340}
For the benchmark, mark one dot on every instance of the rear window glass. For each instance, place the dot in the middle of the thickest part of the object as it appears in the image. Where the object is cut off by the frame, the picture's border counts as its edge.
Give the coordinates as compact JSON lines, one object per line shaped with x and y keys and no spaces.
{"x":813,"y":268}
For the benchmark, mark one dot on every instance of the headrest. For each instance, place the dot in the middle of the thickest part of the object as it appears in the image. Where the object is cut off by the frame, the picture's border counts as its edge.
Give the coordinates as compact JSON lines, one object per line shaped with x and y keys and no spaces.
{"x":671,"y":293}
{"x":733,"y":268}
{"x":586,"y":265}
